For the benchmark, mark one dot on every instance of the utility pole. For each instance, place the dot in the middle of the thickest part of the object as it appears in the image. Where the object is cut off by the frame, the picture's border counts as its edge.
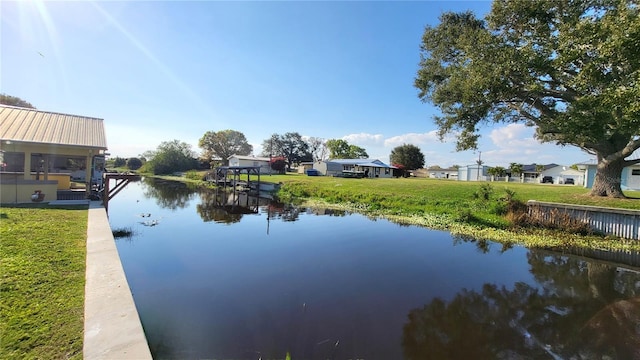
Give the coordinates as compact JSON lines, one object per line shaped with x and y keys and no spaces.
{"x":270,"y":160}
{"x":479,"y":165}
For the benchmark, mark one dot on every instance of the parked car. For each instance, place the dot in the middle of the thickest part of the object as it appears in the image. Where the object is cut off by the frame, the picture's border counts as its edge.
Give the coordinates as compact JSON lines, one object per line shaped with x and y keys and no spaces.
{"x":547,"y":179}
{"x":312,"y":172}
{"x":569,"y":181}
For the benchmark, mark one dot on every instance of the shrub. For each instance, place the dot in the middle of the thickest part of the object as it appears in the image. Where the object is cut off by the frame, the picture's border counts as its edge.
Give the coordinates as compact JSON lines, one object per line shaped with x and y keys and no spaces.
{"x":194,"y":175}
{"x":279,"y":165}
{"x":119,"y":162}
{"x":484,"y":193}
{"x":134,"y":163}
{"x":520,"y":216}
{"x":465,"y":216}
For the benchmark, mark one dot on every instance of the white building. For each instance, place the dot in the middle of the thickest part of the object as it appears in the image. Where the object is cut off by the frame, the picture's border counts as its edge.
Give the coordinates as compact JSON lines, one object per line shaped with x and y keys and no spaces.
{"x":472,"y":173}
{"x":248,"y":160}
{"x":372,"y":168}
{"x":561,"y":173}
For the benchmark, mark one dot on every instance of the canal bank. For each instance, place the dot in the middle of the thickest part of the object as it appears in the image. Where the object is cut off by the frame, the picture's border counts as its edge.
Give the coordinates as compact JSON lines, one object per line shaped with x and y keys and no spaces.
{"x":112,"y":327}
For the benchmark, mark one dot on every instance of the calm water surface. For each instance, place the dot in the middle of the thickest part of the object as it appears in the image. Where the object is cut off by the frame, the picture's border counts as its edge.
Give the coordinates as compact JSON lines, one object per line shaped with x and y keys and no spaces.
{"x":264,"y":280}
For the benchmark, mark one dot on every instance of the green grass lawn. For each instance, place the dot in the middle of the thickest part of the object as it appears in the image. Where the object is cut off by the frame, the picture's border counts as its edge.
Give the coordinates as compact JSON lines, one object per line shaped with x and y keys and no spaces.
{"x":457,"y":206}
{"x":435,"y":195}
{"x":42,"y":255}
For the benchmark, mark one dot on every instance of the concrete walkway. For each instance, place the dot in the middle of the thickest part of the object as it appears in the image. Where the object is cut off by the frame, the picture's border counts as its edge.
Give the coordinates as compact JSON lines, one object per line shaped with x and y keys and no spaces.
{"x":112,"y":328}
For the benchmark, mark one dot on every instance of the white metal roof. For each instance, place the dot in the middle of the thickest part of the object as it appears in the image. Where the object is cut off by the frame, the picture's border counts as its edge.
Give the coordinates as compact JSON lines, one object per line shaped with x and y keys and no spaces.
{"x":249,"y":157}
{"x":362,"y":162}
{"x":35,"y":126}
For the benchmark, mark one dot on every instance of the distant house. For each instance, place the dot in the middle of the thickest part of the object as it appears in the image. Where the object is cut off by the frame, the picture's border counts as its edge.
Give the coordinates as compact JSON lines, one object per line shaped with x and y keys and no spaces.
{"x":248,"y":160}
{"x":372,"y":168}
{"x":577,"y":176}
{"x":42,"y":150}
{"x":531,"y":175}
{"x":560,"y":174}
{"x":630,"y":179}
{"x":436,"y":173}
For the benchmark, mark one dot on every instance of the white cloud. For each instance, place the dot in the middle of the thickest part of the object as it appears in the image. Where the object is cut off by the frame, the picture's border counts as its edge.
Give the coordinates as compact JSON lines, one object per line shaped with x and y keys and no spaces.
{"x":514,"y":136}
{"x":516,"y":143}
{"x":364,"y":139}
{"x":412,"y":138}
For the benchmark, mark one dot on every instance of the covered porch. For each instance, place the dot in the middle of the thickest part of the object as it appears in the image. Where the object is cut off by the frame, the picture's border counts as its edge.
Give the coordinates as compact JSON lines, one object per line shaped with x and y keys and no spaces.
{"x":44,"y":154}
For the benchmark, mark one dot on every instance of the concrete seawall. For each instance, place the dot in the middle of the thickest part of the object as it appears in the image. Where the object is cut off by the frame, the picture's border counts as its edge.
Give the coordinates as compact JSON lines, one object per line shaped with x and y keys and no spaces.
{"x":624,"y":223}
{"x":112,"y":327}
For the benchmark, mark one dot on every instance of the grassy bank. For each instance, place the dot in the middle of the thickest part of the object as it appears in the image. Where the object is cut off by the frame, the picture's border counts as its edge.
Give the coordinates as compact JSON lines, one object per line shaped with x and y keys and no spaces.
{"x":43,"y":275}
{"x":464,"y":208}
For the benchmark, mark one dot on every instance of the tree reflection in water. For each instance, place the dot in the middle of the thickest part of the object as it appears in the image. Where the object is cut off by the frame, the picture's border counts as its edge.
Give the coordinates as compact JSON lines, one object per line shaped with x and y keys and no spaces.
{"x":169,"y":194}
{"x":224,"y":206}
{"x":579,"y":310}
{"x":229,"y":207}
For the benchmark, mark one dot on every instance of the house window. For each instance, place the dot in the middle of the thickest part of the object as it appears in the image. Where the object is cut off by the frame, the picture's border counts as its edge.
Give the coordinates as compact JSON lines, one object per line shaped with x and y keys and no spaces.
{"x":386,"y":171}
{"x":635,"y":172}
{"x":12,"y":162}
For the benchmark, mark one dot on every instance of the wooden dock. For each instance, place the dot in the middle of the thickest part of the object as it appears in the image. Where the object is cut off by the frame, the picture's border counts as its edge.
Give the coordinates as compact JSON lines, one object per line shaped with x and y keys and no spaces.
{"x":121,"y":180}
{"x":230,"y":176}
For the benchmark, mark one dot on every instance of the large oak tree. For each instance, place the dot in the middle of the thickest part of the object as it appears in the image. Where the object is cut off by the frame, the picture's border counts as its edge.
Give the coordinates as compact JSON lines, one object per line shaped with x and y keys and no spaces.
{"x":223,"y":144}
{"x":340,"y":149}
{"x":407,"y":155}
{"x":291,"y":146}
{"x":571,"y":68}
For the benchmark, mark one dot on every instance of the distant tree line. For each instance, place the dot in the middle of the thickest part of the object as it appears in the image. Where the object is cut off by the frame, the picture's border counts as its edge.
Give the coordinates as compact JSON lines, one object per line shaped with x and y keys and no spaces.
{"x":284,"y":150}
{"x":14,"y":101}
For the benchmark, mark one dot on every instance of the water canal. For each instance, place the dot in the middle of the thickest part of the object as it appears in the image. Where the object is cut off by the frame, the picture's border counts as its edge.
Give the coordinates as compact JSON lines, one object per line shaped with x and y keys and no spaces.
{"x":272,"y":280}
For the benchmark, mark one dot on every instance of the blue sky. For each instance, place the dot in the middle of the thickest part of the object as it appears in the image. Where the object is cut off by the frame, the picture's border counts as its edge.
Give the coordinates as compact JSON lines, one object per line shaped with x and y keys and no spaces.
{"x":159,"y":70}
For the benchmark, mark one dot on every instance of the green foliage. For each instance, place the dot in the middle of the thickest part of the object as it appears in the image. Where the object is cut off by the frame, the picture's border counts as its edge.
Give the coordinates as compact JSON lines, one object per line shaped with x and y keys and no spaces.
{"x":289,"y":146}
{"x":194,"y":175}
{"x":407,"y":155}
{"x":465,"y":216}
{"x":509,"y":195}
{"x":123,"y":233}
{"x":340,"y":149}
{"x":567,"y":67}
{"x":484,"y":193}
{"x":15,"y":101}
{"x":117,"y":162}
{"x":223,"y":144}
{"x":497,"y":171}
{"x":43,"y":274}
{"x":169,"y":157}
{"x":134,"y":163}
{"x":515,"y":168}
{"x":356,"y":152}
